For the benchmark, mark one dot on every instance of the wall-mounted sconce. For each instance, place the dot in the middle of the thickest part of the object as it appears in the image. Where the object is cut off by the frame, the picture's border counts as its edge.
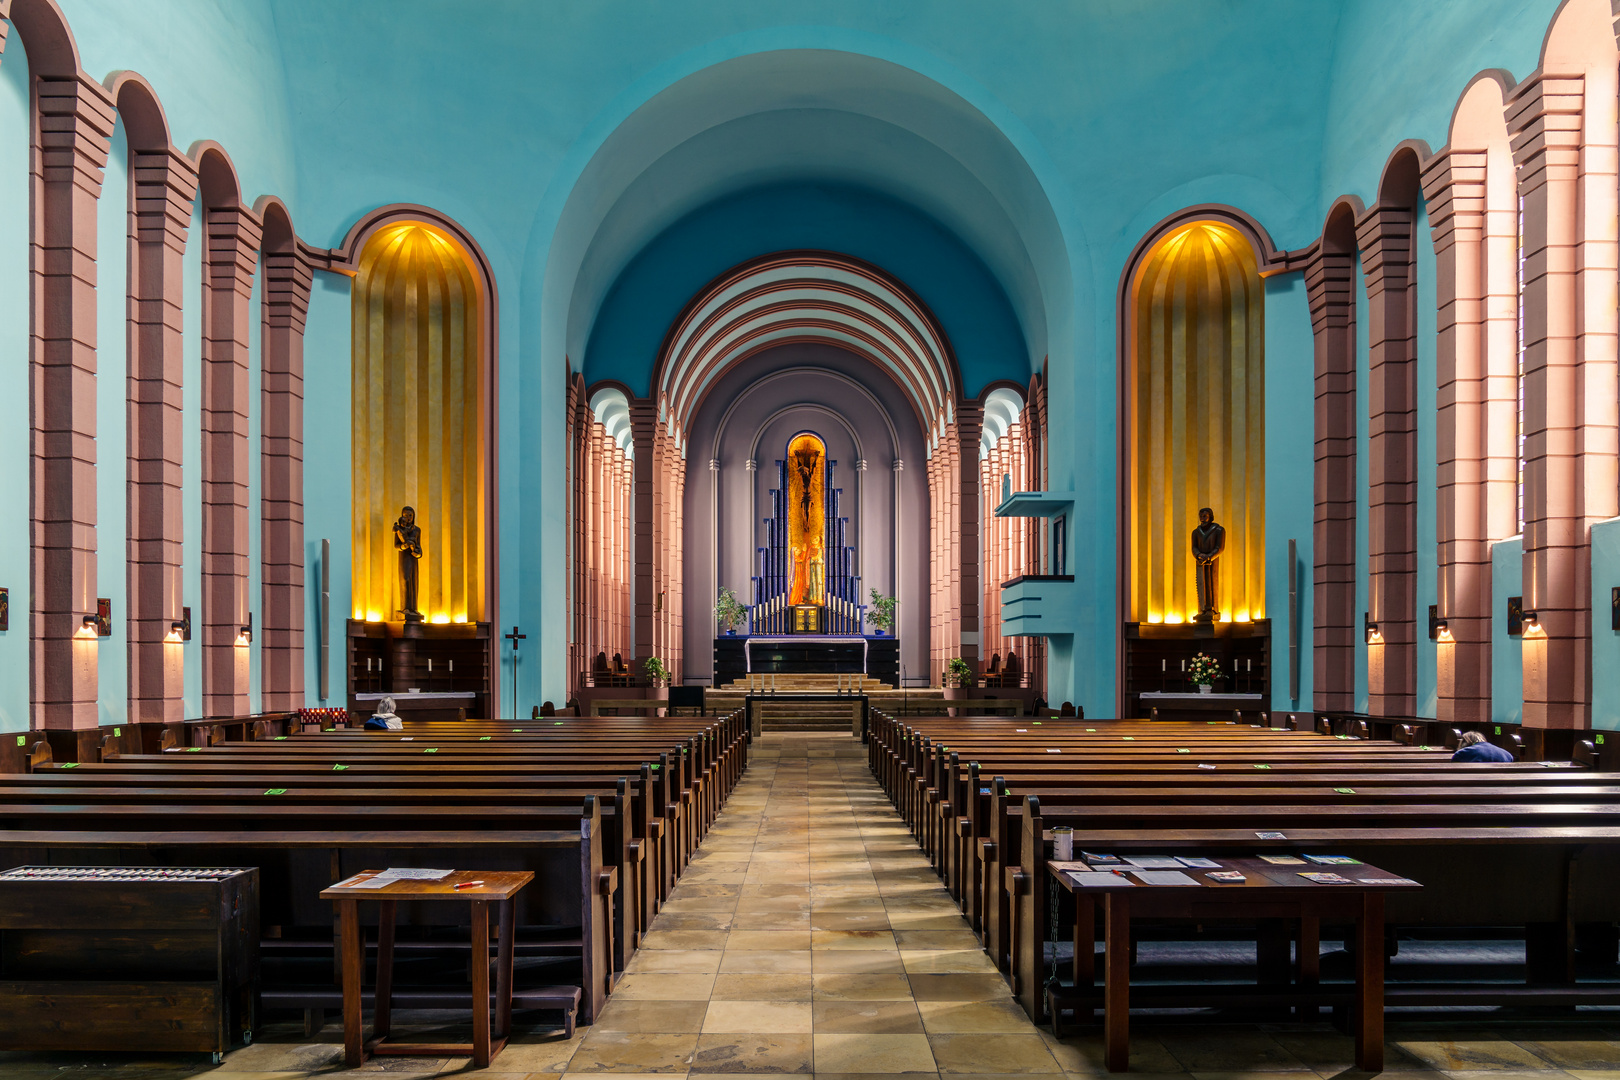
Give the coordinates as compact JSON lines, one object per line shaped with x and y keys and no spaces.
{"x":1369,"y":630}
{"x":176,"y":634}
{"x":87,"y":629}
{"x":1515,"y":616}
{"x":1532,"y":625}
{"x":244,"y":634}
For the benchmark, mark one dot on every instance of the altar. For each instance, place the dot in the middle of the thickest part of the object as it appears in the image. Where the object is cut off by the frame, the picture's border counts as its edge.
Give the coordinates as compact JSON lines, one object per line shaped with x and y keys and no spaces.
{"x":738,"y":656}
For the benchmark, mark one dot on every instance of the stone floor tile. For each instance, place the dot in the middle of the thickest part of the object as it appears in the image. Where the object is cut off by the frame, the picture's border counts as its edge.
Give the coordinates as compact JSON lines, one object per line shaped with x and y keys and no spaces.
{"x":1003,"y":1052}
{"x":1472,"y":1052}
{"x":755,"y":1053}
{"x":655,"y":1016}
{"x":775,"y":986}
{"x":759,"y":962}
{"x":944,"y":1017}
{"x":857,"y":962}
{"x":874,"y":1053}
{"x":626,"y":1052}
{"x":666,"y":987}
{"x":867,"y":1018}
{"x":771,"y":940}
{"x":761,"y":1016}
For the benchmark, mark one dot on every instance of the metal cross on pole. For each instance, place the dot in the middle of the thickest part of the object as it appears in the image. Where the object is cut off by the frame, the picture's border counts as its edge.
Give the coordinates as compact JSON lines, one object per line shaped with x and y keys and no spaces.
{"x":514,"y":637}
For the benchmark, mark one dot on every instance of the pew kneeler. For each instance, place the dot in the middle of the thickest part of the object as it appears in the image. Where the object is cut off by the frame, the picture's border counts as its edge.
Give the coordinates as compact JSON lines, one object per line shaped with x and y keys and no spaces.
{"x":499,"y":888}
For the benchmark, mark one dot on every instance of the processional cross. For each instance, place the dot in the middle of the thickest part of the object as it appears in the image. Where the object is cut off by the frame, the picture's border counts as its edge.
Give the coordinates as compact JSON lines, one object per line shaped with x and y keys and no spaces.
{"x":514,"y":637}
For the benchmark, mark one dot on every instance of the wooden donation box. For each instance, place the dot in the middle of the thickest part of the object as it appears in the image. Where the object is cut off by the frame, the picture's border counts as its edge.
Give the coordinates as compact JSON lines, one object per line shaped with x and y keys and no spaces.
{"x":128,"y":958}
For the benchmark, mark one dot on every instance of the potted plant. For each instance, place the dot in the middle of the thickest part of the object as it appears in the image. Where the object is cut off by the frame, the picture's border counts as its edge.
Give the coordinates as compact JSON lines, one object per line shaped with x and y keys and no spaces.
{"x":656,"y":671}
{"x":881,"y":613}
{"x":1203,"y":671}
{"x":958,"y":681}
{"x":729,"y":611}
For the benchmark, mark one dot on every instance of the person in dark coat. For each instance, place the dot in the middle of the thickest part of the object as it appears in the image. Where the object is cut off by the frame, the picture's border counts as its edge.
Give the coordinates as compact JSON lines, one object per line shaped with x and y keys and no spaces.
{"x":1473,"y":747}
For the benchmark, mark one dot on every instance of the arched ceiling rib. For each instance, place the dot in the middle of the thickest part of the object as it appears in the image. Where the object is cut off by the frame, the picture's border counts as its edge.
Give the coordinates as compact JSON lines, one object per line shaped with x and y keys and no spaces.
{"x":800,"y":297}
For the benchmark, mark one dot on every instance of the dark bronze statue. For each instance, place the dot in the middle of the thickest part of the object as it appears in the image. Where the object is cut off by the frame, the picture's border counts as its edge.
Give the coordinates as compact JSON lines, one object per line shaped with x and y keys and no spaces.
{"x":408,"y":542}
{"x":1208,"y":541}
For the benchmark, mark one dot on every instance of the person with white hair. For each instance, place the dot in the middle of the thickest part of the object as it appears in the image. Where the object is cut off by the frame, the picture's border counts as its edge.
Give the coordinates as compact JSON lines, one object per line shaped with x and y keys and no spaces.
{"x":384,"y":719}
{"x":1473,"y":747}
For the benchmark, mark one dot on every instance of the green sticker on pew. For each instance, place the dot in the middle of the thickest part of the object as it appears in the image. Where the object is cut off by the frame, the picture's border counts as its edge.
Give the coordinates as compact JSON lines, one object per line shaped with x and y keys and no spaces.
{"x":654,"y":768}
{"x":276,"y":791}
{"x":1091,"y":729}
{"x":1499,"y":729}
{"x":1600,"y":740}
{"x":69,"y":765}
{"x":1130,"y":738}
{"x":339,"y":768}
{"x":118,"y":732}
{"x":22,"y":740}
{"x":557,"y":723}
{"x":281,"y":738}
{"x":1262,"y":766}
{"x":518,"y":730}
{"x":1037,"y":723}
{"x":483,"y":738}
{"x":193,"y":749}
{"x":1345,"y":790}
{"x":1183,"y":751}
{"x":431,"y":750}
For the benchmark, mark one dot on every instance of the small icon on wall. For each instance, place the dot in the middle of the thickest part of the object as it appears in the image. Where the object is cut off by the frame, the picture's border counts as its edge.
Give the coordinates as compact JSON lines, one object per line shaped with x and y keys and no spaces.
{"x":1614,"y":608}
{"x":1515,"y":616}
{"x":103,"y":617}
{"x":185,"y":624}
{"x":5,"y":609}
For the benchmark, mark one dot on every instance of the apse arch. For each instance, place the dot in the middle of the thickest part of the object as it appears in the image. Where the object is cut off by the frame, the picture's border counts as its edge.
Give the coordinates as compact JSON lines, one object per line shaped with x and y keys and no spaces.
{"x":803,"y":297}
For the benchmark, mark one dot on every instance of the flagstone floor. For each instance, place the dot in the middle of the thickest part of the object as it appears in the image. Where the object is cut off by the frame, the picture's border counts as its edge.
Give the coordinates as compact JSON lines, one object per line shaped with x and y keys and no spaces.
{"x":810,"y":936}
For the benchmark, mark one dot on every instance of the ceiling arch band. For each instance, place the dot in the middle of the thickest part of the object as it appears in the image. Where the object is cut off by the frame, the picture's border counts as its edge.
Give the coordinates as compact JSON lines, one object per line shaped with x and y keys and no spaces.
{"x":798,"y":297}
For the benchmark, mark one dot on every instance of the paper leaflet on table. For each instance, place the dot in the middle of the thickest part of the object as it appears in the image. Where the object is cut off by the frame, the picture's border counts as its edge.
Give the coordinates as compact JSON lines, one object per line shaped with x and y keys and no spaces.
{"x":398,"y":873}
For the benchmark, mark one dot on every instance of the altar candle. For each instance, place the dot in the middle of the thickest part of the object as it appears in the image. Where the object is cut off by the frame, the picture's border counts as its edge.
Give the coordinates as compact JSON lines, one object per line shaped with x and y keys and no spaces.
{"x":1184,"y":666}
{"x":1162,"y":664}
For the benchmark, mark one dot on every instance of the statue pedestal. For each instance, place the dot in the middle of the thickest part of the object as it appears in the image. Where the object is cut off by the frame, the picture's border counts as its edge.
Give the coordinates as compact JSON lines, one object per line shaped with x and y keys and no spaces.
{"x":394,"y":658}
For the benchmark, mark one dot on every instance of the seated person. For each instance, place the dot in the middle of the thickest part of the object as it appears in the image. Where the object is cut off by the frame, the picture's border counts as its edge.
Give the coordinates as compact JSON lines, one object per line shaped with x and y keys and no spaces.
{"x":1473,"y":747}
{"x":384,"y":718}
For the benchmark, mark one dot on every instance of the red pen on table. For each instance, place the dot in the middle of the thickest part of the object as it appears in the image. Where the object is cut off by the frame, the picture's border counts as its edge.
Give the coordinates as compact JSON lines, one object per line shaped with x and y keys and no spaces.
{"x":466,"y":884}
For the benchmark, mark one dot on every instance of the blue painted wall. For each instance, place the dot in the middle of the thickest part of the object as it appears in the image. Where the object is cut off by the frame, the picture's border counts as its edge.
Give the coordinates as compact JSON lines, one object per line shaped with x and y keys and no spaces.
{"x":328,"y":486}
{"x":1290,"y":425}
{"x":1363,"y":396}
{"x":1428,"y":552}
{"x":1605,"y":641}
{"x":1507,"y":659}
{"x":14,"y":557}
{"x":112,"y":429}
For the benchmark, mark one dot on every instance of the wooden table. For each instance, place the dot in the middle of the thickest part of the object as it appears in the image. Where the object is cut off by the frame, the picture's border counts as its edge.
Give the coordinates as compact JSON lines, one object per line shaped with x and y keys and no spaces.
{"x":499,"y":886}
{"x":1269,"y":891}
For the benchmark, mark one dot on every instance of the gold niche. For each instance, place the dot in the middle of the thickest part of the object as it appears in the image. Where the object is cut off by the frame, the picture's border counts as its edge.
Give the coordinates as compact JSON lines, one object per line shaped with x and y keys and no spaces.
{"x":1195,"y":409}
{"x":418,"y":414}
{"x":807,"y":520}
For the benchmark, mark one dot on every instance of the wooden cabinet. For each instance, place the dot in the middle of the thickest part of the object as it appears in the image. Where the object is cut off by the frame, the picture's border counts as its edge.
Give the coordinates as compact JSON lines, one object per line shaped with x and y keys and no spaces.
{"x":431,"y":658}
{"x":1156,"y":655}
{"x":128,"y":958}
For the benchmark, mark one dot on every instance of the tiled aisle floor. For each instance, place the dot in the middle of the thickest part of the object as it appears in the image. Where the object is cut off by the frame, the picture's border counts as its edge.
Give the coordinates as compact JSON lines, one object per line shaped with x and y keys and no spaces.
{"x":810,"y":936}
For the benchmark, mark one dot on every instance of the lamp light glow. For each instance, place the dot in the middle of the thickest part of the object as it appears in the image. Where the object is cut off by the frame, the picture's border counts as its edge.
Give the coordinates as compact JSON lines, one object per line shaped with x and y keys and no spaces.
{"x":176,"y":634}
{"x":87,"y":629}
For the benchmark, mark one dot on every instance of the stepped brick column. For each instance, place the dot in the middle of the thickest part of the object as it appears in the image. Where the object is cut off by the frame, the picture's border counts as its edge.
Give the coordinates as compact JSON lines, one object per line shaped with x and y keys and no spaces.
{"x":1564,"y":144}
{"x":1475,"y":286}
{"x":287,"y":280}
{"x":1329,"y":281}
{"x":1385,"y":238}
{"x":643,"y":428}
{"x":229,"y":262}
{"x":969,"y":531}
{"x":165,"y":185}
{"x":75,"y":128}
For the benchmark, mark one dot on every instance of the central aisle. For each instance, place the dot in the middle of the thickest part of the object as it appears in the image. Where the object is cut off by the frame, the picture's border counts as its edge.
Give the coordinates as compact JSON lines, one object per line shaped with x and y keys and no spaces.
{"x":810,"y":935}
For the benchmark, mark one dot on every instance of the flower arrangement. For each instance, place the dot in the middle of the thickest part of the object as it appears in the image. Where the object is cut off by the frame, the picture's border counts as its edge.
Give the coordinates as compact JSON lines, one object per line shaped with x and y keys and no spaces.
{"x":728,"y":610}
{"x":881,"y":613}
{"x":958,"y":673}
{"x":656,"y":671}
{"x":1204,"y":670}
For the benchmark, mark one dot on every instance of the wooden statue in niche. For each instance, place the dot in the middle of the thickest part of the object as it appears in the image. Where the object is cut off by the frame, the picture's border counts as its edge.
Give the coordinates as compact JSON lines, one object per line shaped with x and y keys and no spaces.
{"x":408,"y":542}
{"x":1208,"y":541}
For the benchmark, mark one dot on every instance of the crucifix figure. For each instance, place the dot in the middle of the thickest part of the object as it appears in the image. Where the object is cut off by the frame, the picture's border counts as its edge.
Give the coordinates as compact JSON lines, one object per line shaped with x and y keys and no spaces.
{"x":1208,"y":541}
{"x":514,"y":637}
{"x":805,"y":461}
